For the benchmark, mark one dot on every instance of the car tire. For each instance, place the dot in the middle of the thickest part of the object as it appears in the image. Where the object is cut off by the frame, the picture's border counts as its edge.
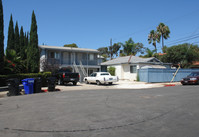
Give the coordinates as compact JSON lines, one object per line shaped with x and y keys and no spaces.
{"x":98,"y":82}
{"x":86,"y":81}
{"x":74,"y":83}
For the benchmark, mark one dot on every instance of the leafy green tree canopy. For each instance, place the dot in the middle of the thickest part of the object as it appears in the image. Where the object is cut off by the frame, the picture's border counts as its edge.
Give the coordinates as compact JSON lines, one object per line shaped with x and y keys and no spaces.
{"x":153,"y":37}
{"x":163,"y":32}
{"x":16,"y":37}
{"x":11,"y":40}
{"x":33,"y":54}
{"x":73,"y":45}
{"x":132,"y":48}
{"x":183,"y":54}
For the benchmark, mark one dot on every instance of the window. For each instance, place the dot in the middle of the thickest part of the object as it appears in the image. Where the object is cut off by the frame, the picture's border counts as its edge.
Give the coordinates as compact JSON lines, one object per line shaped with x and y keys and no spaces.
{"x":105,"y":74}
{"x":133,"y":69}
{"x":93,"y":75}
{"x":55,"y":55}
{"x":91,"y":57}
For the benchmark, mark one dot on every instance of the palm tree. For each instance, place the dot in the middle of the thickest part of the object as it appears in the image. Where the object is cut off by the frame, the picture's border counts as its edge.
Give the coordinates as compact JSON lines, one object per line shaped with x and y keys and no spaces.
{"x":153,"y":37}
{"x":149,"y":53}
{"x":132,"y":48}
{"x":163,"y":31}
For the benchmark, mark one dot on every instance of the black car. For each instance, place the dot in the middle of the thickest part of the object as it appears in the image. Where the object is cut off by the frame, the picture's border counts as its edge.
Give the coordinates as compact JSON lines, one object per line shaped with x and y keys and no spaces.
{"x":192,"y":78}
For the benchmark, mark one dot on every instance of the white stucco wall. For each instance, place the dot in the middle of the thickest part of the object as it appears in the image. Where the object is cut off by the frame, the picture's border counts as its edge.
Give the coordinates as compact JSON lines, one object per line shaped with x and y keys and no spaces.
{"x":126,"y":73}
{"x":123,"y":72}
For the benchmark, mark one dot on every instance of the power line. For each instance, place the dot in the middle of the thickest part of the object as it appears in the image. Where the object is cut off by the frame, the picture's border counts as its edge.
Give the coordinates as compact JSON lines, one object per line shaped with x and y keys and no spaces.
{"x":184,"y":40}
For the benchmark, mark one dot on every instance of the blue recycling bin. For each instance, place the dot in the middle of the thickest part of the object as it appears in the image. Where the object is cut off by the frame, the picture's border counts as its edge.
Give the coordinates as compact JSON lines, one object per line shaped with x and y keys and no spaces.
{"x":28,"y":84}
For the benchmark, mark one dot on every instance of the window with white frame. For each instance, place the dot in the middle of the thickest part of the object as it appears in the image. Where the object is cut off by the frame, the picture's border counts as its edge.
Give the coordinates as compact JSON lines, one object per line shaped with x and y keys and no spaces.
{"x":133,"y":69}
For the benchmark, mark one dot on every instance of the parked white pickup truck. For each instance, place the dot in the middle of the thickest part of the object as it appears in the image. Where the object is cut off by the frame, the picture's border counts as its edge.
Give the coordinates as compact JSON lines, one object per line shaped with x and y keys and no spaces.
{"x":101,"y":78}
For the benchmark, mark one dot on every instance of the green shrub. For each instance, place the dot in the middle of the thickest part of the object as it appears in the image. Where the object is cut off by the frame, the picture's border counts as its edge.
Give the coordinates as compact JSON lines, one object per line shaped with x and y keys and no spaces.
{"x":138,"y":77}
{"x":111,"y":70}
{"x":21,"y":76}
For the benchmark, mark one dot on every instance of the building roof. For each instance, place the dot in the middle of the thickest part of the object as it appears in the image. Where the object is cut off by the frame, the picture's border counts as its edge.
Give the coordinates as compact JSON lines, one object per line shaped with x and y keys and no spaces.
{"x":69,"y":49}
{"x":131,"y":60}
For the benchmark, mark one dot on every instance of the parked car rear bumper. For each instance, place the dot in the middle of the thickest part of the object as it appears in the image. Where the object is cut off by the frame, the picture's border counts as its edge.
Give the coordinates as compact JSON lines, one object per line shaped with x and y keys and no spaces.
{"x":71,"y":79}
{"x":189,"y":82}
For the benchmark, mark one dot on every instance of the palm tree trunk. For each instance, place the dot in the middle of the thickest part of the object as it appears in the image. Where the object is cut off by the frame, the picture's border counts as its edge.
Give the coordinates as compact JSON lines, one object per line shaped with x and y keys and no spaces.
{"x":162,"y":42}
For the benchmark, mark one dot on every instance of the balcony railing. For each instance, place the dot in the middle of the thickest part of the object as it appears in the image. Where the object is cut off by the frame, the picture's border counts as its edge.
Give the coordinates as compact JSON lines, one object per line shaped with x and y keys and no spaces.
{"x":70,"y":62}
{"x":53,"y":61}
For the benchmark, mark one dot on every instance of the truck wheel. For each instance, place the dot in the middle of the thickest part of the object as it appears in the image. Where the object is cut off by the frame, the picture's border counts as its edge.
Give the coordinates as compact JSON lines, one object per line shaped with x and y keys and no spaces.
{"x":98,"y":82}
{"x":110,"y":83}
{"x":74,"y":83}
{"x":60,"y":82}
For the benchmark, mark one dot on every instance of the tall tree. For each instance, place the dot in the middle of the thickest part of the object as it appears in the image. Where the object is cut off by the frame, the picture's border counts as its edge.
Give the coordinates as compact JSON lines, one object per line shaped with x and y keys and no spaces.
{"x":183,"y":54}
{"x":116,"y":48}
{"x":103,"y":52}
{"x":132,"y":48}
{"x":16,"y":36}
{"x":11,"y":40}
{"x":1,"y":38}
{"x":164,"y":32}
{"x":149,"y":53}
{"x":33,"y":54}
{"x":22,"y":44}
{"x":153,"y":37}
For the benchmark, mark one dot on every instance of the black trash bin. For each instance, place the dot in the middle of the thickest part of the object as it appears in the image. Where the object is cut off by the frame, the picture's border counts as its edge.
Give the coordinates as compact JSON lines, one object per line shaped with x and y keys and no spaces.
{"x":37,"y":85}
{"x":51,"y":83}
{"x":13,"y":87}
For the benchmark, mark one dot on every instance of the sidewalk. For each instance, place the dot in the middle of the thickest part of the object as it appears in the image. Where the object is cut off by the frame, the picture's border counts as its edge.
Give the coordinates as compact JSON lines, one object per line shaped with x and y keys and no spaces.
{"x":122,"y":84}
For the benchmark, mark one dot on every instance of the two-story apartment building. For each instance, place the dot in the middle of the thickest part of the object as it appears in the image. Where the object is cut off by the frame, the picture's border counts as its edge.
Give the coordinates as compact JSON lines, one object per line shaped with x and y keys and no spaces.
{"x":81,"y":60}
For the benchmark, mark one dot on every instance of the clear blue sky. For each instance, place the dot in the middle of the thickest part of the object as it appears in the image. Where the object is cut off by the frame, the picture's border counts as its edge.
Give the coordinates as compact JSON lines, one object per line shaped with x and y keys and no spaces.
{"x":91,"y":23}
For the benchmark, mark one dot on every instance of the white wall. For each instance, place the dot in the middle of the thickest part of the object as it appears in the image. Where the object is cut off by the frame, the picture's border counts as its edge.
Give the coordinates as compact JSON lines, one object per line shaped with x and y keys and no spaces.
{"x":123,"y":72}
{"x":126,"y":73}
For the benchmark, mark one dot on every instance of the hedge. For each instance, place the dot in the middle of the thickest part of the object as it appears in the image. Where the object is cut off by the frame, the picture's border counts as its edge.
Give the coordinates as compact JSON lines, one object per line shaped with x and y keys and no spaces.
{"x":43,"y":75}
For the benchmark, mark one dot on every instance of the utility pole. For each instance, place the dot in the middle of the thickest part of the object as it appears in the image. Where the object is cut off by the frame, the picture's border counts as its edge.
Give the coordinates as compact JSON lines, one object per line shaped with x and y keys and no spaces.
{"x":111,"y":48}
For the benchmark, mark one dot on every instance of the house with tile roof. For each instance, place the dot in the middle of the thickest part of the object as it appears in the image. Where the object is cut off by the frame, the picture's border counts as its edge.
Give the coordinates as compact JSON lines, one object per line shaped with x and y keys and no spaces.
{"x":128,"y":66}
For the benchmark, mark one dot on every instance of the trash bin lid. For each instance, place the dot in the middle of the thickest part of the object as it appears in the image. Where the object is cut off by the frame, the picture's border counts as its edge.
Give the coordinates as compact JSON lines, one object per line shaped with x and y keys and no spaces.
{"x":28,"y":80}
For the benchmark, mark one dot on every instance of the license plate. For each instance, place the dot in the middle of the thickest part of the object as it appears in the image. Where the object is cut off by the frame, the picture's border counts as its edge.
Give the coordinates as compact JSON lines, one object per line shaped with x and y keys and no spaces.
{"x":72,"y":79}
{"x":110,"y":78}
{"x":186,"y":81}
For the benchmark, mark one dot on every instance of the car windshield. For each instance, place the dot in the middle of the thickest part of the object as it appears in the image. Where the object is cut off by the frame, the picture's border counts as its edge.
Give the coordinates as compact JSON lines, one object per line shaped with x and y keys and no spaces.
{"x":193,"y":74}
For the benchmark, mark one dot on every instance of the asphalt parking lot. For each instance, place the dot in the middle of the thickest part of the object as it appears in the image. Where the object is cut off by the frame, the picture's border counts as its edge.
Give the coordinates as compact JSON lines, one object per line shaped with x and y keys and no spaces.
{"x":155,"y":112}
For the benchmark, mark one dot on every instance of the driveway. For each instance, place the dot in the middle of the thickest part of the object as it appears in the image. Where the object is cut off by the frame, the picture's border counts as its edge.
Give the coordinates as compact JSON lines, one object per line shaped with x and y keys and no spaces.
{"x":122,"y":84}
{"x":165,"y":112}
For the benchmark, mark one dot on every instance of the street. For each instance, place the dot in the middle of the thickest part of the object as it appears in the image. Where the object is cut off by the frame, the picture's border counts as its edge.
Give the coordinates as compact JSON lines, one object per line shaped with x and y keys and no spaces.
{"x":155,"y":112}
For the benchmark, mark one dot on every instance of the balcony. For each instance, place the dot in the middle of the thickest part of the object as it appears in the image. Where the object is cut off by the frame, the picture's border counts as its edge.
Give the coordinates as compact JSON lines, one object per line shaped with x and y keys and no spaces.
{"x":70,"y":62}
{"x":84,"y":62}
{"x":53,"y":61}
